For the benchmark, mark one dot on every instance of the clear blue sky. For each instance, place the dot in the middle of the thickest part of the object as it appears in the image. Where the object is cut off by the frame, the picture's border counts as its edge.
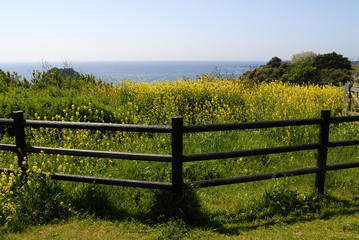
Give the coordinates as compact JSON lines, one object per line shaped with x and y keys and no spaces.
{"x":111,"y":30}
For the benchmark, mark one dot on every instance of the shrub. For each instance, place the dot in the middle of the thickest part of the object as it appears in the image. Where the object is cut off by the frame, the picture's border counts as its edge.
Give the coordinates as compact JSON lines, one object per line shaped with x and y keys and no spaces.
{"x":187,"y":208}
{"x":301,"y":72}
{"x":283,"y":201}
{"x":332,"y":60}
{"x":32,"y":201}
{"x":274,"y":62}
{"x":304,"y":56}
{"x":10,"y":79}
{"x":66,"y":78}
{"x":334,"y":76}
{"x":305,"y":67}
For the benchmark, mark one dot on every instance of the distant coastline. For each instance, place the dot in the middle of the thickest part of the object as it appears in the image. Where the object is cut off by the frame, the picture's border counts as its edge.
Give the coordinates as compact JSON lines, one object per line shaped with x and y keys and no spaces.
{"x":140,"y":70}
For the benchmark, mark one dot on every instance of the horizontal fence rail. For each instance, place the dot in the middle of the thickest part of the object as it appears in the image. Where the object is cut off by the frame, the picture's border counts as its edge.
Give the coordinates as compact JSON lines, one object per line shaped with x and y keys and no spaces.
{"x":8,"y":147}
{"x":252,"y":178}
{"x":98,"y":126}
{"x":98,"y":180}
{"x":107,"y":181}
{"x":99,"y":154}
{"x":177,"y":158}
{"x":344,"y":119}
{"x":251,"y":152}
{"x":6,"y":122}
{"x":251,"y":125}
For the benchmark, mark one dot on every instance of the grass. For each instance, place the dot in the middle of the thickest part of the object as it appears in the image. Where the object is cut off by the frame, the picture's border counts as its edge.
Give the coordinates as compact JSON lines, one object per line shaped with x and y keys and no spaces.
{"x":280,"y":209}
{"x":338,"y":226}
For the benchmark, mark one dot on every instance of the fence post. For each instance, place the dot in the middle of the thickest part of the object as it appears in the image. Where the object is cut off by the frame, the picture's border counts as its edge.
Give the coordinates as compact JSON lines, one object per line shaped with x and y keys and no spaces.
{"x":346,"y":103}
{"x":177,"y":153}
{"x":18,"y":117}
{"x":323,"y":150}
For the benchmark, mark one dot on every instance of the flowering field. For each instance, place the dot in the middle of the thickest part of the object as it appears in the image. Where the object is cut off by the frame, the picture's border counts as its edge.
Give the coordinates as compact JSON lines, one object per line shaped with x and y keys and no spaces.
{"x":203,"y":101}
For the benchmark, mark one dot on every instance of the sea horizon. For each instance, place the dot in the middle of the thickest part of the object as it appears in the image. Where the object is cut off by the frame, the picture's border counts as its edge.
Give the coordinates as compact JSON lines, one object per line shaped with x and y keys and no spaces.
{"x":138,"y":70}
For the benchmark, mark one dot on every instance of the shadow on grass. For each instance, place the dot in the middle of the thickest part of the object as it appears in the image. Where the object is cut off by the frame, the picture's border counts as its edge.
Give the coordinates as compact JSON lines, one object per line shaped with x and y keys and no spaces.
{"x":94,"y":201}
{"x":188,"y":212}
{"x":331,"y":207}
{"x":187,"y":209}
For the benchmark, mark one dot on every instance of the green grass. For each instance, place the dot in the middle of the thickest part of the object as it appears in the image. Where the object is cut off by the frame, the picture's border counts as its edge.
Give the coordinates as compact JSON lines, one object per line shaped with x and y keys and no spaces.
{"x":343,"y":225}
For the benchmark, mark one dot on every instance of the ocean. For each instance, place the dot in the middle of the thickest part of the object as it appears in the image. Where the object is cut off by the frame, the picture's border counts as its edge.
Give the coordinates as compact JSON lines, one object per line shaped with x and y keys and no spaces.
{"x":140,"y":70}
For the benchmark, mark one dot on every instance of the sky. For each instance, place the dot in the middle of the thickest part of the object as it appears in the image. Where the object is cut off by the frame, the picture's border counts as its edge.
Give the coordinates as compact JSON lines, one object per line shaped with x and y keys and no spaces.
{"x":175,"y":30}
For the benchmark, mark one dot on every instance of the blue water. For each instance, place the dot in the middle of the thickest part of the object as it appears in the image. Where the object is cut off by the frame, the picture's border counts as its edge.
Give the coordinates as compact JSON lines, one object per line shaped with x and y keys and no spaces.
{"x":141,"y":70}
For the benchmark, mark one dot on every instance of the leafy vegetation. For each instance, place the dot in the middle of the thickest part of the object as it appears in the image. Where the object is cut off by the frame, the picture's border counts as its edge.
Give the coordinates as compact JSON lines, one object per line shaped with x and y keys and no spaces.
{"x":305,"y":67}
{"x":226,"y":211}
{"x":304,"y":56}
{"x":332,"y":61}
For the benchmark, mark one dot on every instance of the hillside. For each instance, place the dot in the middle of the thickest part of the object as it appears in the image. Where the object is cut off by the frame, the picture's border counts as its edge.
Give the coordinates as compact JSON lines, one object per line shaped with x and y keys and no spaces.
{"x":248,"y":209}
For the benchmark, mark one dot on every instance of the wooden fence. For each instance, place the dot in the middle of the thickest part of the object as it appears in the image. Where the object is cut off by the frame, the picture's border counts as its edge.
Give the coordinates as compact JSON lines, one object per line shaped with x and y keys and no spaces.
{"x":177,"y":158}
{"x":351,"y":99}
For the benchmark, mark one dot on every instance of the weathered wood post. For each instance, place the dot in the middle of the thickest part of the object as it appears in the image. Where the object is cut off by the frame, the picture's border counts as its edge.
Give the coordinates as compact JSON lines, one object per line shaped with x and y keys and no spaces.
{"x":19,"y":129}
{"x":346,"y":103}
{"x":323,"y":150}
{"x":177,"y":153}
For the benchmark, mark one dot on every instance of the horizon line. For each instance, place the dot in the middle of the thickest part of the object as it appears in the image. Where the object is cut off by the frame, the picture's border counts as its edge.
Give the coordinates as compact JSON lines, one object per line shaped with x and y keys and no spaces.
{"x":69,"y":61}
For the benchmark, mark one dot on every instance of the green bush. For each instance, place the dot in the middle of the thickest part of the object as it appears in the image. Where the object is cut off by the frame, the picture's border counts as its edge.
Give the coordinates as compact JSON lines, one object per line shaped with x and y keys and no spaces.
{"x":282,"y":201}
{"x":334,"y":76}
{"x":304,"y":56}
{"x":301,"y":72}
{"x":274,"y":62}
{"x":265,"y":73}
{"x":39,"y":201}
{"x":187,"y":208}
{"x":305,"y":67}
{"x":332,"y":61}
{"x":66,"y":78}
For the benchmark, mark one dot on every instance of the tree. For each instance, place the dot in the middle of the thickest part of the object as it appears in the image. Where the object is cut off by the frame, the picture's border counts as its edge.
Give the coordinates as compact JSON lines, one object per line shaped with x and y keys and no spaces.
{"x":274,"y":62}
{"x":305,"y":67}
{"x":304,"y":56}
{"x":8,"y":78}
{"x":301,"y":72}
{"x":332,"y":61}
